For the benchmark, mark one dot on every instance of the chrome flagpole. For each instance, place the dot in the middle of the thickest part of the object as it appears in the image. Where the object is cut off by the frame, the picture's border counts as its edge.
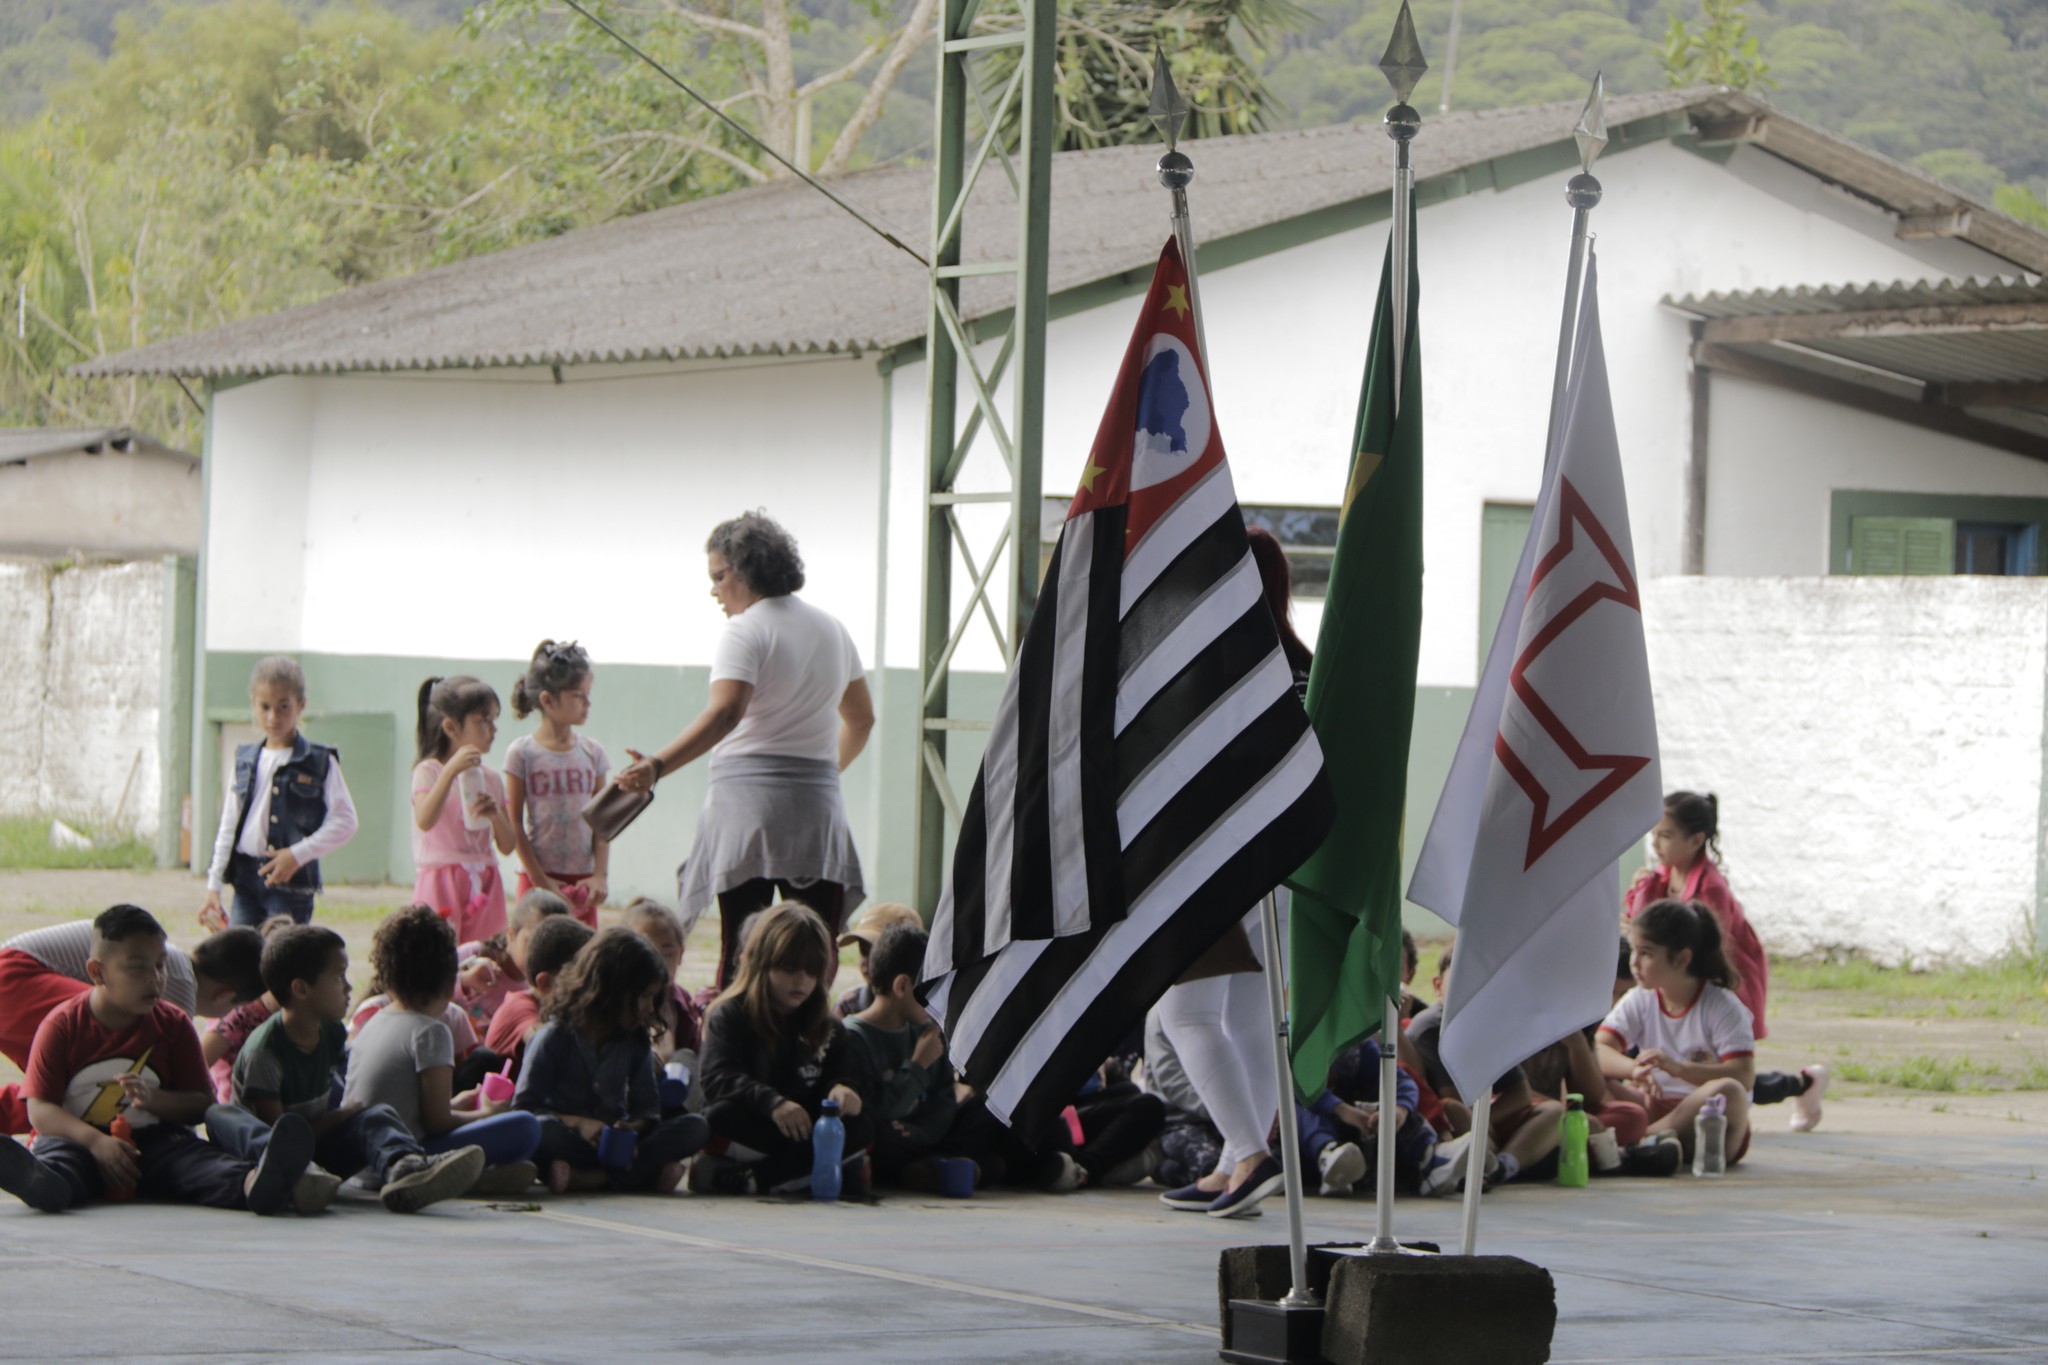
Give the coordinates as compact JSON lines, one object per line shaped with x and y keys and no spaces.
{"x":1403,"y":65}
{"x":1583,"y":194}
{"x":1176,"y":172}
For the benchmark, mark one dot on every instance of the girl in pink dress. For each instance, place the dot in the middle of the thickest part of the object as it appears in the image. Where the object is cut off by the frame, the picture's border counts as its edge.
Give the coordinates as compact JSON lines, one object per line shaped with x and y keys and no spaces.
{"x":459,"y":811}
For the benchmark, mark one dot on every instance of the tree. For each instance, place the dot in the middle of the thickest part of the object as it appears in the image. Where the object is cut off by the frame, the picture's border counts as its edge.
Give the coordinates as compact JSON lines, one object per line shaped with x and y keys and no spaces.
{"x":1721,"y":51}
{"x":1103,"y":80}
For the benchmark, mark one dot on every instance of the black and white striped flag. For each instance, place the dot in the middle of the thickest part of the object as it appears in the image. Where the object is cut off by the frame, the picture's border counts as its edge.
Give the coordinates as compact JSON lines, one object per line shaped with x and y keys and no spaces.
{"x":1150,"y":773}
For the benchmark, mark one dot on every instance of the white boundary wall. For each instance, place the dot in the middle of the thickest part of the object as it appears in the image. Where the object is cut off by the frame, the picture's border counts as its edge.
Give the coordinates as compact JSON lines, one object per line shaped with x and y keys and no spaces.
{"x":80,"y":697}
{"x":1876,"y":745}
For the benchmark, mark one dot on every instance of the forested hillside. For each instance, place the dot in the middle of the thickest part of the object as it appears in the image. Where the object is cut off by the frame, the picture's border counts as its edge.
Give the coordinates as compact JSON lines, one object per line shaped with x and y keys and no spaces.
{"x":169,"y":165}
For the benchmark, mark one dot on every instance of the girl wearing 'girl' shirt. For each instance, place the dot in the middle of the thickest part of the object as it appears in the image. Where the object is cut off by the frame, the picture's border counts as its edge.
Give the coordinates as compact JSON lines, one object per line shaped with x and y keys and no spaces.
{"x":457,"y":818}
{"x":551,"y":774}
{"x":1691,"y":1035}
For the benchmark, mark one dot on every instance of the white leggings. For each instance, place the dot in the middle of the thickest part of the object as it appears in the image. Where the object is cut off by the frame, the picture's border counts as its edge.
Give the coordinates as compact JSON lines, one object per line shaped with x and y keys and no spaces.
{"x":1223,"y":1033}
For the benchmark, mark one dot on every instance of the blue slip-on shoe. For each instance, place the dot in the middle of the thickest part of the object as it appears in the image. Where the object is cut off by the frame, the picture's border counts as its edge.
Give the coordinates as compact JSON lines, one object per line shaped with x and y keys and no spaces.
{"x":1243,"y":1202}
{"x":1189,"y":1199}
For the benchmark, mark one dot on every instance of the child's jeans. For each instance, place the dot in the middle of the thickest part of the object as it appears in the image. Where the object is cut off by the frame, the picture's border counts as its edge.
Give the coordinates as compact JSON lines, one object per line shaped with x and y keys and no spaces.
{"x":1412,"y":1143}
{"x":177,"y":1165}
{"x":254,"y":902}
{"x":370,"y":1141}
{"x":668,"y":1141}
{"x":508,"y":1137}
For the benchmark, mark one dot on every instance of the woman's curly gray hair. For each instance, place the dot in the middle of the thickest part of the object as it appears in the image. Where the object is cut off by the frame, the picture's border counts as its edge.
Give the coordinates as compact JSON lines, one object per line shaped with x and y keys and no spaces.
{"x":759,"y":551}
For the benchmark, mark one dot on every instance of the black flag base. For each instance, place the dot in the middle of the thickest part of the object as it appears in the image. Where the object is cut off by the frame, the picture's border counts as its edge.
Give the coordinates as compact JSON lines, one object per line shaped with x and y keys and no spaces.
{"x":1378,"y":1308}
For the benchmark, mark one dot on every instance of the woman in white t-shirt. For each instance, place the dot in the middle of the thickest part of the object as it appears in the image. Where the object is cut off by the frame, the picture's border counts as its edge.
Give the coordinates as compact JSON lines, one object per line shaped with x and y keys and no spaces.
{"x":789,"y":709}
{"x":1692,"y":1037}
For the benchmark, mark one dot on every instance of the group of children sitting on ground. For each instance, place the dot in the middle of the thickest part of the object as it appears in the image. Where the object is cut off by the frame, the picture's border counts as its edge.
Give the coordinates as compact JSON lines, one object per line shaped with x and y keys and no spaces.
{"x":491,"y":1052}
{"x":560,"y":1055}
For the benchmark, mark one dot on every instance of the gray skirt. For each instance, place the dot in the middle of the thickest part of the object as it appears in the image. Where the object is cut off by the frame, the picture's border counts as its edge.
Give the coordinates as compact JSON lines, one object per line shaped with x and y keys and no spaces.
{"x":768,"y":815}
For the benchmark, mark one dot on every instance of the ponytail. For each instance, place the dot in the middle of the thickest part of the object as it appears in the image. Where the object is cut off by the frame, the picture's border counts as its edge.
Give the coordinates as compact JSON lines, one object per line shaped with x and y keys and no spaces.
{"x":1697,"y":813}
{"x":1690,"y":925}
{"x":432,"y":743}
{"x":457,"y":699}
{"x":554,"y":668}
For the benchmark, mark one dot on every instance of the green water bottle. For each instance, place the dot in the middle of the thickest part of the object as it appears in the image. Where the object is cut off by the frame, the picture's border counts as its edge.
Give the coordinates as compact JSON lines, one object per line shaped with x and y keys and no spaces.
{"x":1571,"y":1143}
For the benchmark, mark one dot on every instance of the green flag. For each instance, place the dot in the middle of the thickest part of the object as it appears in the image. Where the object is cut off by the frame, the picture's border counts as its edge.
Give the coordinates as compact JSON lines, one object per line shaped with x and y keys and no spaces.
{"x":1345,"y":927}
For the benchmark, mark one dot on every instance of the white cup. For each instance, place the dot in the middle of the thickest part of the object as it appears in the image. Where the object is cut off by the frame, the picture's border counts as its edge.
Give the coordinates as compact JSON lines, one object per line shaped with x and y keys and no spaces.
{"x":469,"y":789}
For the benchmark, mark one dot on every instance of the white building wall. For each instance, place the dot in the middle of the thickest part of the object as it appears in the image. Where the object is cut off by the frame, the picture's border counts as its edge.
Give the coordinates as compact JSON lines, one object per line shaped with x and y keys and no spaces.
{"x":25,"y":639}
{"x":471,"y":514}
{"x":1876,"y":745}
{"x":1774,"y":459}
{"x":253,"y":567}
{"x":1288,"y":333}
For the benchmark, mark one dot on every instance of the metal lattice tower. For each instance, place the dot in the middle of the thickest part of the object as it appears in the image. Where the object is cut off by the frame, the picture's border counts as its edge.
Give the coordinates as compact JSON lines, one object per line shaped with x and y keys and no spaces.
{"x":1023,"y":108}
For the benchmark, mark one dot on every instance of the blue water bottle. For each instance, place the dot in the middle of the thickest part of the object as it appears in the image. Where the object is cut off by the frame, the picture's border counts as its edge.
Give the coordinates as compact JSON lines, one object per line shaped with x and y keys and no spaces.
{"x":828,"y":1143}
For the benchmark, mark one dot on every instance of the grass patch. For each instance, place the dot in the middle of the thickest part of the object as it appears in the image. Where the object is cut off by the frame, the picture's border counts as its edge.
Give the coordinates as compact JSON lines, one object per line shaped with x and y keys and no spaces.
{"x":25,"y":843}
{"x":2015,"y":985}
{"x":1945,"y":1075}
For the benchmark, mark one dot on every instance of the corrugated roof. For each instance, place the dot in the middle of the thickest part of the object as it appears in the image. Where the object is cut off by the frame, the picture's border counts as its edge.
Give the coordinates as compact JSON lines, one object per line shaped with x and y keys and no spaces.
{"x":777,"y":269}
{"x":21,"y":444}
{"x":1923,"y":339}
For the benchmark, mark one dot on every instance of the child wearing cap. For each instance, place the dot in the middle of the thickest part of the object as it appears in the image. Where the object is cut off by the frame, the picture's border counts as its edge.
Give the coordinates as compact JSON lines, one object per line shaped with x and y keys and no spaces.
{"x":865,"y":929}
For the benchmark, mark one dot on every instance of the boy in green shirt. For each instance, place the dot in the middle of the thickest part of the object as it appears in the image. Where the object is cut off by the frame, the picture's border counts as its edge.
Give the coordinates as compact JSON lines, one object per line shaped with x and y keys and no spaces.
{"x":902,"y":1054}
{"x":289,"y":1065}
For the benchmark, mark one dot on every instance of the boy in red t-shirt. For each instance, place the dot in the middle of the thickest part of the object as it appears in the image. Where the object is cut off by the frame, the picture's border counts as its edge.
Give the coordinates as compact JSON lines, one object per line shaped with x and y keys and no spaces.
{"x":121,"y":1053}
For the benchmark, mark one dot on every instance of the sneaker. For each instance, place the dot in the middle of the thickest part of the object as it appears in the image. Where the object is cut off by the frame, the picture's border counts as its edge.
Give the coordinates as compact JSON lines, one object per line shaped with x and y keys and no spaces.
{"x":1444,"y":1170}
{"x":1659,"y":1155}
{"x":1267,"y":1178}
{"x":711,"y":1173}
{"x":1189,"y":1199}
{"x":413,"y":1182}
{"x":507,"y":1181}
{"x":1070,"y":1177}
{"x":23,"y":1175}
{"x":276,"y":1177}
{"x":1806,"y":1106}
{"x":314,"y":1191}
{"x":1342,"y":1165}
{"x":1133,"y":1170}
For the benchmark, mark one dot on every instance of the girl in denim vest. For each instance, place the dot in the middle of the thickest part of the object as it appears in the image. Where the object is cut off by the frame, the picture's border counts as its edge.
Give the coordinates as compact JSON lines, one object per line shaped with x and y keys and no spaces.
{"x":285,"y":809}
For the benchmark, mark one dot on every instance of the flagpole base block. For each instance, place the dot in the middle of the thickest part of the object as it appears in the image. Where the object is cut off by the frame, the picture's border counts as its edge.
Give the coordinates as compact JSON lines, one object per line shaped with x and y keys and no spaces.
{"x":1256,"y":1332}
{"x":1252,"y":1285}
{"x":1418,"y":1310}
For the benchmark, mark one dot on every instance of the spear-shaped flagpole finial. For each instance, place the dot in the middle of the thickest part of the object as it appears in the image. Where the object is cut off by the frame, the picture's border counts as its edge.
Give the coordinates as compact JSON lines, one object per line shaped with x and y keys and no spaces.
{"x":1168,"y":110}
{"x":1591,"y":132}
{"x":1402,"y":63}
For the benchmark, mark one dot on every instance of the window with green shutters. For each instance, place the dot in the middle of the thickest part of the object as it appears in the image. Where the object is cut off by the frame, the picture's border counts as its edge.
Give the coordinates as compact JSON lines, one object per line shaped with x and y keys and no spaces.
{"x":1902,"y":545}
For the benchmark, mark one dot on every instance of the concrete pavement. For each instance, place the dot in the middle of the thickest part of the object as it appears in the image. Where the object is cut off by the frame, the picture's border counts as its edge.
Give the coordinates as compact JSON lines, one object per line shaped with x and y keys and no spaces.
{"x":1887,"y":1235}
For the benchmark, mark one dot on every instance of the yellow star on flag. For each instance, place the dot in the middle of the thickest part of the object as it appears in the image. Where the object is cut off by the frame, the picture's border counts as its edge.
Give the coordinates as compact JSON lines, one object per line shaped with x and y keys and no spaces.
{"x":1090,"y":473}
{"x":1177,"y":299}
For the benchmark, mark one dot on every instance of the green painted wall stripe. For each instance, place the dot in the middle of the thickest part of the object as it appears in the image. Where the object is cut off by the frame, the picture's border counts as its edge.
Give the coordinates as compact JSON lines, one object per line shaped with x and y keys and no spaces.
{"x":644,"y":705}
{"x":175,"y":719}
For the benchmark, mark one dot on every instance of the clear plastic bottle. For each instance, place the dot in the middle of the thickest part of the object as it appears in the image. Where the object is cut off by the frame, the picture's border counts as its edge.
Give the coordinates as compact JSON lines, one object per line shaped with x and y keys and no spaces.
{"x":828,"y":1144}
{"x":1571,"y":1143}
{"x":1710,"y":1138}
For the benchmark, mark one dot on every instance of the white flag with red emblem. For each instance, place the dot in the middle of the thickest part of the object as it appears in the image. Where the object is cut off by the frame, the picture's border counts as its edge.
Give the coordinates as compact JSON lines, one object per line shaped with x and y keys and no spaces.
{"x":1557,"y":772}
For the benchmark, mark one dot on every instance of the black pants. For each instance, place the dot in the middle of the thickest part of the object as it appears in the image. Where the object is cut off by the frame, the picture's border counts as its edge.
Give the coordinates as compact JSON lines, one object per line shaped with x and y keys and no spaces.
{"x":177,"y":1165}
{"x":827,"y":898}
{"x":786,"y":1157}
{"x":1775,"y":1087}
{"x":668,"y":1141}
{"x":1117,"y":1121}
